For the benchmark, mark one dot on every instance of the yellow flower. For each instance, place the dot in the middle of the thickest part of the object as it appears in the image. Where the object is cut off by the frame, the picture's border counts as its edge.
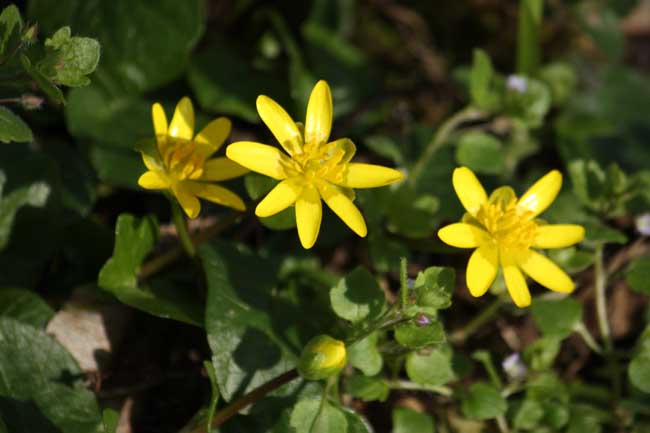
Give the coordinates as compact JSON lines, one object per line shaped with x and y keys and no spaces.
{"x":180,"y":162}
{"x":315,"y":168}
{"x":503,"y":229}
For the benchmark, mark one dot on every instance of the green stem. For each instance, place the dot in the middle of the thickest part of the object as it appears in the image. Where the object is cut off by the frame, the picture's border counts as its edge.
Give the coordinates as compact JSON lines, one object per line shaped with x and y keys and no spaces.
{"x":233,"y":408}
{"x":441,"y":137}
{"x":477,"y":322}
{"x":404,"y":290}
{"x":412,"y":386}
{"x":181,"y":229}
{"x":589,"y":340}
{"x":600,"y":284}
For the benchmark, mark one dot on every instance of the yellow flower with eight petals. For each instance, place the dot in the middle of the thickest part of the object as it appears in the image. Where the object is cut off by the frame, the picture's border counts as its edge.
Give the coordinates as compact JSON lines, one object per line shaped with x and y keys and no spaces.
{"x":315,"y":169}
{"x":182,"y":163}
{"x":503,"y":229}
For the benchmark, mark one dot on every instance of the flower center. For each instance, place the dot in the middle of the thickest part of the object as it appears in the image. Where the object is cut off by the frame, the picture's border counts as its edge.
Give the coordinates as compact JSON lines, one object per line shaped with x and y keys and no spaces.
{"x":510,"y":225}
{"x":325,"y":161}
{"x":182,"y":159}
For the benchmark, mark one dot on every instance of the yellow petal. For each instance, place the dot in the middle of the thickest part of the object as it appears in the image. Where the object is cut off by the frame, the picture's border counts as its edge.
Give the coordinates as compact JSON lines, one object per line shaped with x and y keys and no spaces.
{"x":281,"y":124}
{"x":462,"y":235}
{"x":182,"y":125}
{"x":469,"y":190}
{"x":213,"y":135}
{"x":482,"y":269}
{"x":318,"y":123}
{"x":281,"y":197}
{"x":558,"y":235}
{"x":343,"y":207}
{"x":187,"y":200}
{"x":215,"y":194}
{"x":542,"y":193}
{"x":358,"y":175}
{"x":309,"y":213}
{"x":515,"y":280}
{"x":151,"y":163}
{"x":218,"y":169}
{"x":159,"y":120}
{"x":153,"y":180}
{"x":545,"y":272}
{"x":261,"y":158}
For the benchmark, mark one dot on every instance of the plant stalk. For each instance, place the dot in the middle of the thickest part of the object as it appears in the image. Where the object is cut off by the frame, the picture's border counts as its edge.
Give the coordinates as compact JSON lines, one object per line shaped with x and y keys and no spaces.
{"x":477,"y":322}
{"x":181,"y":228}
{"x":441,"y":137}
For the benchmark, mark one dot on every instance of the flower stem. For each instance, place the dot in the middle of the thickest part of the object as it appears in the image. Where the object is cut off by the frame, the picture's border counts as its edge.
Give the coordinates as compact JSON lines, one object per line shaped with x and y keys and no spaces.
{"x":233,"y":408}
{"x":589,"y":340}
{"x":600,"y":284}
{"x":412,"y":386}
{"x":181,"y":229}
{"x":477,"y":322}
{"x":404,"y":289}
{"x":440,"y":138}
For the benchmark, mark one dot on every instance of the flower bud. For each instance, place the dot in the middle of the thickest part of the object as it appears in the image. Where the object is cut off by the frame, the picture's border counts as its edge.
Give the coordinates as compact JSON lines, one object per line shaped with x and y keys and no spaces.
{"x":30,"y":35}
{"x":321,"y":358}
{"x":31,"y":102}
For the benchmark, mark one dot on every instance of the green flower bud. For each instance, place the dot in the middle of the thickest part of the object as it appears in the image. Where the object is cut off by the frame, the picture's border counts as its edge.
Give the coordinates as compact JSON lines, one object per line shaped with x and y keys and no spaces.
{"x":321,"y":358}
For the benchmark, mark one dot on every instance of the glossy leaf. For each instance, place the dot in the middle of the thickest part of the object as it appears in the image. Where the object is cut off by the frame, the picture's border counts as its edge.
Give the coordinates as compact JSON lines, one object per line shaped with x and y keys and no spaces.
{"x":24,"y":306}
{"x":34,"y":195}
{"x":136,"y":54}
{"x":481,"y":152}
{"x":483,"y":402}
{"x":407,"y":420}
{"x":134,"y":239}
{"x":357,"y":296}
{"x":13,"y":128}
{"x":40,"y":390}
{"x":557,"y":318}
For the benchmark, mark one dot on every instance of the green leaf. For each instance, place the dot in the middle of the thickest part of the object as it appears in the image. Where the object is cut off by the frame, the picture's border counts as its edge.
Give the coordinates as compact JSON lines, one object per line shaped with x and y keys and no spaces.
{"x":637,"y":275}
{"x":69,"y":59}
{"x":407,"y":420}
{"x":484,"y":401}
{"x":385,"y":252}
{"x":528,"y":36}
{"x":596,"y":232}
{"x":239,"y":319}
{"x":588,"y":180}
{"x":411,"y":213}
{"x":357,"y":296}
{"x":386,"y":147}
{"x":134,"y":239}
{"x":365,"y":356}
{"x":481,"y":152}
{"x":429,"y":369}
{"x":572,"y":259}
{"x":531,"y":105}
{"x":415,"y":336}
{"x":110,"y":420}
{"x":639,"y":372}
{"x":211,"y":74}
{"x":11,"y":24}
{"x":24,"y":306}
{"x":314,"y":416}
{"x":561,"y":80}
{"x":557,"y":318}
{"x":34,"y":195}
{"x":40,"y":386}
{"x":541,"y":354}
{"x":528,"y":415}
{"x":482,"y":83}
{"x":434,"y":288}
{"x":44,"y":83}
{"x":137,"y":54}
{"x":13,"y":128}
{"x":367,"y":388}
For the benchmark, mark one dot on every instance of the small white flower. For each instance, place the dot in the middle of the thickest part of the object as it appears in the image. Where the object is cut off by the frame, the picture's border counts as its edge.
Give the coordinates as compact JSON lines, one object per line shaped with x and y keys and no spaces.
{"x":517,"y":83}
